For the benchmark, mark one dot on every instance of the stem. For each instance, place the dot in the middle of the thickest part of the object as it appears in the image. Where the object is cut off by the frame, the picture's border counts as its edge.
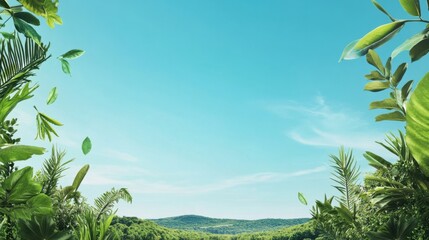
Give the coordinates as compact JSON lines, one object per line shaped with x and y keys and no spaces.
{"x":416,"y":20}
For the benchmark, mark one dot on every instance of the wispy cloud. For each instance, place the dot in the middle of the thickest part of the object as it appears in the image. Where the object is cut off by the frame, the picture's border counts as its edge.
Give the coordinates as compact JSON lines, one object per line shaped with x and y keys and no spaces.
{"x":324,"y":125}
{"x":141,"y":185}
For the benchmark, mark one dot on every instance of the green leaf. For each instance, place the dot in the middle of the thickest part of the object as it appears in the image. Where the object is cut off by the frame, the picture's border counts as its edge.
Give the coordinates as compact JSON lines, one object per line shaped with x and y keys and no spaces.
{"x":375,"y":75}
{"x":399,"y":73}
{"x":388,"y":103}
{"x":406,"y":89}
{"x":11,"y":153}
{"x":376,"y":161}
{"x":373,"y":59}
{"x":20,"y":186}
{"x":72,"y":54}
{"x":377,"y":5}
{"x":418,"y":124}
{"x":47,"y":9}
{"x":302,"y":198}
{"x":52,"y":97}
{"x":376,"y":86}
{"x":27,"y":17}
{"x":410,"y":43}
{"x":419,"y":50}
{"x":4,"y":4}
{"x":393,"y":116}
{"x":80,"y":176}
{"x":8,"y":35}
{"x":65,"y":65}
{"x":377,"y":37}
{"x":411,"y":6}
{"x":86,"y":145}
{"x":27,"y":30}
{"x":348,"y":53}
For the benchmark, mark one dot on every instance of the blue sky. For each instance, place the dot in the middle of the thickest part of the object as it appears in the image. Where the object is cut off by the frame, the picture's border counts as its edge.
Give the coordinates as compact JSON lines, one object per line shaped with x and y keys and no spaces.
{"x":217,"y":108}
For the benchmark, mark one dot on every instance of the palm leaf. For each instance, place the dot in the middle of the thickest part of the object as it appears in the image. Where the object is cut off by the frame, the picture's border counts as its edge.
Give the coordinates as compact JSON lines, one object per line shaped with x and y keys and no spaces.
{"x":17,"y":63}
{"x":53,"y":168}
{"x":105,"y":203}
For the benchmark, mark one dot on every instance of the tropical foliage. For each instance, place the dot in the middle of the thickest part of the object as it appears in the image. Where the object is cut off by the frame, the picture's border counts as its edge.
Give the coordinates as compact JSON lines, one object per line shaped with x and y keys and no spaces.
{"x":32,"y":204}
{"x":393,"y":201}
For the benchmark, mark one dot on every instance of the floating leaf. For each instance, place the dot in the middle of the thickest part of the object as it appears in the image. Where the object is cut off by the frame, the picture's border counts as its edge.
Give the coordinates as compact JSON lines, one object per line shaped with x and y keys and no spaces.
{"x":72,"y":54}
{"x":419,"y":50}
{"x":393,"y":116}
{"x":376,"y":86}
{"x":65,"y":65}
{"x":411,"y":6}
{"x":418,"y":124}
{"x":52,"y":97}
{"x":86,"y":145}
{"x":27,"y":17}
{"x":377,"y":37}
{"x":410,"y":43}
{"x":399,"y":73}
{"x":373,"y":59}
{"x":388,"y":103}
{"x":377,"y":5}
{"x":302,"y":198}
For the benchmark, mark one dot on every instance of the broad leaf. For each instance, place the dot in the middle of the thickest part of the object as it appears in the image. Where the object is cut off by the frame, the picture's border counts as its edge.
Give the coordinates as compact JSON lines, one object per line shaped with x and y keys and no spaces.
{"x":11,"y":153}
{"x":20,"y":186}
{"x":86,"y":145}
{"x":406,"y":89}
{"x":72,"y":54}
{"x":411,"y":6}
{"x":52,"y":97}
{"x":418,"y":124}
{"x":410,"y":43}
{"x":377,"y":37}
{"x":373,"y":59}
{"x":419,"y":50}
{"x":27,"y":17}
{"x":377,"y":5}
{"x":399,"y":73}
{"x":388,"y":103}
{"x":302,"y":198}
{"x":79,"y":177}
{"x":393,"y":116}
{"x":27,"y":30}
{"x":377,"y":86}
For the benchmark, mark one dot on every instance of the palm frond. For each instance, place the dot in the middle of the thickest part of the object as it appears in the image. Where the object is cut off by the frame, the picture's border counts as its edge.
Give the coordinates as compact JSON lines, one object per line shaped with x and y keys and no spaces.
{"x":18,"y":61}
{"x":105,"y":203}
{"x":53,"y":168}
{"x":400,"y":228}
{"x":346,"y":174}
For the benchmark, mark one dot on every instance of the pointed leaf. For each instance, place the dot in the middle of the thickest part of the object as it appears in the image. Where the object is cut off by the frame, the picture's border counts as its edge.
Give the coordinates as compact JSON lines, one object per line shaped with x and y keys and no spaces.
{"x":302,"y":198}
{"x":27,"y":30}
{"x":375,"y":75}
{"x":406,"y":89}
{"x":65,"y":65}
{"x":4,"y":4}
{"x":52,"y":97}
{"x":48,"y":9}
{"x":377,"y":37}
{"x":80,"y":176}
{"x":376,"y":86}
{"x":348,"y":53}
{"x":72,"y":54}
{"x":399,"y":73}
{"x":418,"y":124}
{"x":388,"y":103}
{"x":86,"y":145}
{"x":377,"y":5}
{"x":11,"y":153}
{"x":411,"y":6}
{"x":393,"y":116}
{"x":27,"y":17}
{"x":410,"y":43}
{"x":373,"y":59}
{"x":419,"y":50}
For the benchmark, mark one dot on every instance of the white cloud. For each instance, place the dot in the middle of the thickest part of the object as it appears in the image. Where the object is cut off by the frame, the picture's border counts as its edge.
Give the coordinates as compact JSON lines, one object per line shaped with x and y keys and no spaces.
{"x":326,"y":126}
{"x":142,"y":185}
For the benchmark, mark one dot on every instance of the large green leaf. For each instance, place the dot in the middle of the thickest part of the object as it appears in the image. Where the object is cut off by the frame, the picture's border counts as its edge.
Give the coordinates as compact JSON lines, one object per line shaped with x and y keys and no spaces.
{"x":11,"y":153}
{"x":24,"y":28}
{"x":377,"y":37}
{"x":27,"y":17}
{"x":19,"y":187}
{"x":48,"y":9}
{"x":41,"y":228}
{"x":419,"y":50}
{"x":410,"y":43}
{"x":80,"y":176}
{"x":411,"y":6}
{"x":417,"y":120}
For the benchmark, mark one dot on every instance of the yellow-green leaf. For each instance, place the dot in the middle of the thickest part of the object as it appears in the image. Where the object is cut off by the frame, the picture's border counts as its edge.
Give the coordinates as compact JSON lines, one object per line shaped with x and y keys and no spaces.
{"x":393,"y":116}
{"x":399,"y":73}
{"x":52,"y":97}
{"x":418,"y":124}
{"x":373,"y":59}
{"x":411,"y":6}
{"x":376,"y":86}
{"x":377,"y":5}
{"x":388,"y":103}
{"x":86,"y":145}
{"x":375,"y":75}
{"x":302,"y":198}
{"x":79,"y":177}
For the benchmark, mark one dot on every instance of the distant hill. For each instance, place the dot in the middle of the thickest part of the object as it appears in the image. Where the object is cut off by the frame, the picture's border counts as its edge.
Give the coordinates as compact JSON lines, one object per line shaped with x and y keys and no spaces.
{"x":225,"y":226}
{"x":132,"y":228}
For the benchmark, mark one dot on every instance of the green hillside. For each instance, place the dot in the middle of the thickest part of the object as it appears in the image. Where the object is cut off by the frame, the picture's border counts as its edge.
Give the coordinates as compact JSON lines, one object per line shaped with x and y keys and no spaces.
{"x":132,"y":228}
{"x":225,"y":226}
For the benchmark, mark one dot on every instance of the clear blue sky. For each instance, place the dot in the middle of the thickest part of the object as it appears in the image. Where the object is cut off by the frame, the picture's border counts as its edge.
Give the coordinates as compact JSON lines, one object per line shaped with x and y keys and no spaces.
{"x":217,"y":108}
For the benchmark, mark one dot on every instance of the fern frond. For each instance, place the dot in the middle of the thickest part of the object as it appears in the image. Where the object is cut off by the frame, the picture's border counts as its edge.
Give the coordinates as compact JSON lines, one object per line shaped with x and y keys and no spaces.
{"x":105,"y":203}
{"x":53,"y":168}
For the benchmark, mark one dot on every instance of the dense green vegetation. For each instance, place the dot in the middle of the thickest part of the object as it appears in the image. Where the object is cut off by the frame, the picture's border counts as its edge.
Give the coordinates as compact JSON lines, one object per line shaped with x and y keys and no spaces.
{"x":225,"y":226}
{"x":393,"y":201}
{"x":132,"y":228}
